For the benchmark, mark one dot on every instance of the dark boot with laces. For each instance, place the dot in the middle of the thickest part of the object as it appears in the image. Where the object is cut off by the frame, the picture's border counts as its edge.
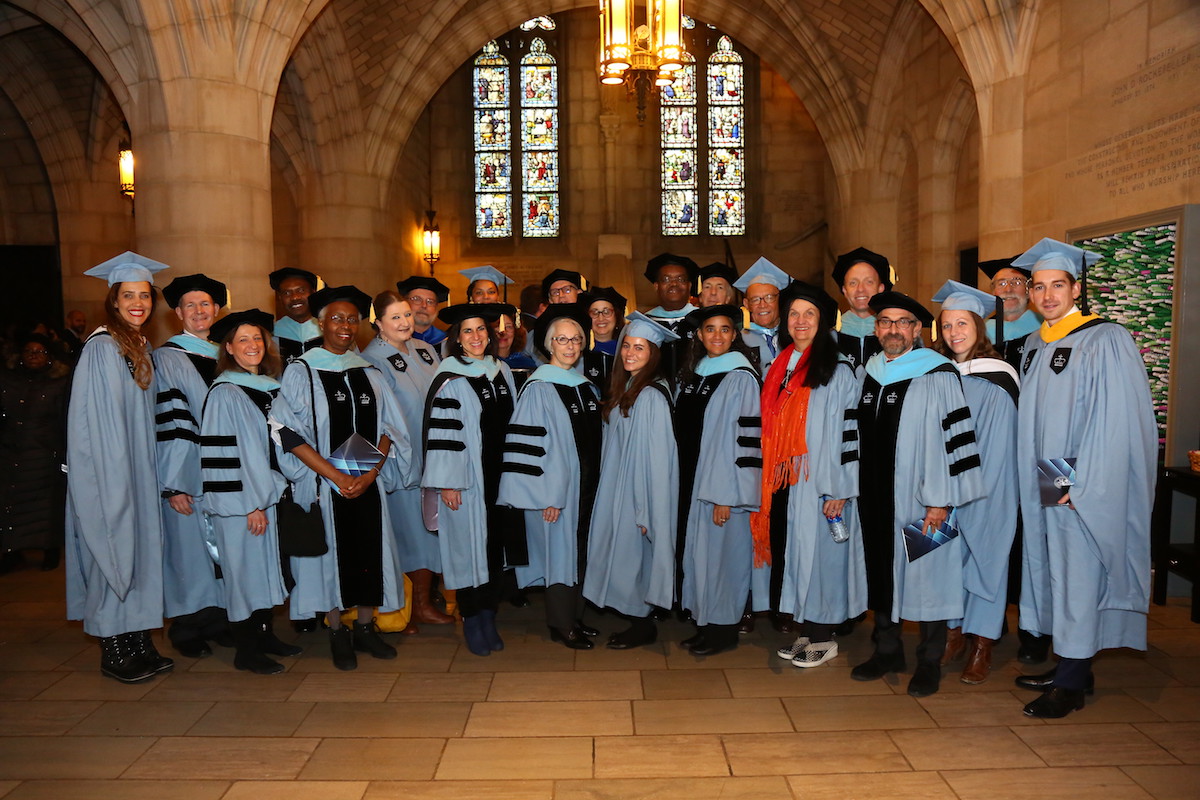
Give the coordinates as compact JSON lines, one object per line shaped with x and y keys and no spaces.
{"x":118,"y":661}
{"x":143,"y":647}
{"x":367,"y":640}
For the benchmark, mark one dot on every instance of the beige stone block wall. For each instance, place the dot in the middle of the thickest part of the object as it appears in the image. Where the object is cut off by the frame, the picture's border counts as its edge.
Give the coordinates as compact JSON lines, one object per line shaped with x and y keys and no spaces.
{"x":1112,"y":125}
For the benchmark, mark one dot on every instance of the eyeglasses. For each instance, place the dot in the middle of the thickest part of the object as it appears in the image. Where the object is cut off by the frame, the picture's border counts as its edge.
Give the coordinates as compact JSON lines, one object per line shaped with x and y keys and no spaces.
{"x":677,"y":280}
{"x":38,"y":352}
{"x":902,"y":324}
{"x":601,"y":312}
{"x":762,"y":299}
{"x":1013,"y":283}
{"x":566,"y":290}
{"x":563,"y":341}
{"x":422,"y":301}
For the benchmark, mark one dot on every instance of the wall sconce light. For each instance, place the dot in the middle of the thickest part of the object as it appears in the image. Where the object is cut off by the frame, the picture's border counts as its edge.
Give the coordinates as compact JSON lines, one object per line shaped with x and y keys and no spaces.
{"x":125,"y":166}
{"x":431,"y":240}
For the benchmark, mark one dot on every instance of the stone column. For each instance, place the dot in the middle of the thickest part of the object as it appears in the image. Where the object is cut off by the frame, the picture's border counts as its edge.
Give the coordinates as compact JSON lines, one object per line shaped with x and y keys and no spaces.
{"x":204,"y":184}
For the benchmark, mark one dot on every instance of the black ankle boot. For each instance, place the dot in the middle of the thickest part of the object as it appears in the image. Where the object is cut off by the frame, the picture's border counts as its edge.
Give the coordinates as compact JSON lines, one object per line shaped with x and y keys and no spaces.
{"x":250,"y":656}
{"x":119,"y":662}
{"x":270,"y":643}
{"x":366,"y":640}
{"x":143,"y":647}
{"x":341,"y":647}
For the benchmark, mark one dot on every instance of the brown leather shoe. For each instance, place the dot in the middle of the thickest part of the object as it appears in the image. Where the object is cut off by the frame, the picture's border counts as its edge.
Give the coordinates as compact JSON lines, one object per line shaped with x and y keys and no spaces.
{"x":956,"y":645}
{"x":979,"y":662}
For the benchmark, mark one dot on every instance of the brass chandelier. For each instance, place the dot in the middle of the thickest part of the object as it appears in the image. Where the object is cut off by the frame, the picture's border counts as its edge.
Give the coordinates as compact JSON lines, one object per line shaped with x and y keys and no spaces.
{"x":641,"y":56}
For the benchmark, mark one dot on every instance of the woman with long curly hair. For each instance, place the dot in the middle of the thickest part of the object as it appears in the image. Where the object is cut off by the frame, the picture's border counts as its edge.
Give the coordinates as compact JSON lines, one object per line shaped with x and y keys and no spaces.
{"x":114,"y":524}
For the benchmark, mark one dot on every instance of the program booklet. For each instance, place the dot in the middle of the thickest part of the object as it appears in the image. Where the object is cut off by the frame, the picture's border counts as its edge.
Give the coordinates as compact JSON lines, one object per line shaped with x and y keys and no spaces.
{"x":917,"y":543}
{"x":1056,"y":476}
{"x":354,"y":457}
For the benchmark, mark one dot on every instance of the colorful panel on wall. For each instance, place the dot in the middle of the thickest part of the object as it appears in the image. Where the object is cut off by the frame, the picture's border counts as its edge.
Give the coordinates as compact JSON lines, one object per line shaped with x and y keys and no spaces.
{"x":541,"y":215}
{"x":493,"y":172}
{"x":680,"y":216}
{"x":1133,"y":284}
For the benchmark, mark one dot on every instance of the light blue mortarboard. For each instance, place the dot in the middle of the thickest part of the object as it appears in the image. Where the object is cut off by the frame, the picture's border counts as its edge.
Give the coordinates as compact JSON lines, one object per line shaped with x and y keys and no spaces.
{"x":486,"y":273}
{"x":639,"y":325}
{"x":1053,"y":254}
{"x":763,"y":271}
{"x":128,"y":266}
{"x":955,"y":296}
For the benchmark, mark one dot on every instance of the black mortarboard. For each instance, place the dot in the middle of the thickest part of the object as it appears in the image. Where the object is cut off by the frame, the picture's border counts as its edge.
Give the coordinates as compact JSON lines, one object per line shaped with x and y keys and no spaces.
{"x":605,"y":293}
{"x":280,"y":275}
{"x":562,"y":275}
{"x":488,"y":312}
{"x":330,"y":294}
{"x":575,"y":311}
{"x":861,"y":255}
{"x":664,"y":259}
{"x":718,"y":270}
{"x":990,"y":268}
{"x":439,"y":289}
{"x":890,"y":299}
{"x":799,"y":290}
{"x":231,"y":322}
{"x":696,"y":319}
{"x":176,"y":289}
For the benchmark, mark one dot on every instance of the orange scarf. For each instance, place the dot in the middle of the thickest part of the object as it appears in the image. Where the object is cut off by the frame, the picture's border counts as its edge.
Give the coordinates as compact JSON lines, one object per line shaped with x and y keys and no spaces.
{"x":784,"y":449}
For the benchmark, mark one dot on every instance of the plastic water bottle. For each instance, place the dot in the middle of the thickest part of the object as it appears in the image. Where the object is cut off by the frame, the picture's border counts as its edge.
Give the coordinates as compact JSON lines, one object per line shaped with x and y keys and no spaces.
{"x":838,"y":529}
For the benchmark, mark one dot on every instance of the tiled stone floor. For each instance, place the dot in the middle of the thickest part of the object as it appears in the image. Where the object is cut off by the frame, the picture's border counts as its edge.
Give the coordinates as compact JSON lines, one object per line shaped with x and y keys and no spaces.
{"x":538,"y":721}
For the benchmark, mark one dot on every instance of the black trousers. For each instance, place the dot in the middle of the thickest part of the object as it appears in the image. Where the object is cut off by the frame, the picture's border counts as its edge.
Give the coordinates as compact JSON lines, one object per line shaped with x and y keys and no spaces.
{"x":564,"y":606}
{"x":929,"y":649}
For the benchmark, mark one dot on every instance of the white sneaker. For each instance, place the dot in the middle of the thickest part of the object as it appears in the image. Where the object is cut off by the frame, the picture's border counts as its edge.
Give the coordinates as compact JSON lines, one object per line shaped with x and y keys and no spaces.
{"x":793,"y":650}
{"x":815,"y":655}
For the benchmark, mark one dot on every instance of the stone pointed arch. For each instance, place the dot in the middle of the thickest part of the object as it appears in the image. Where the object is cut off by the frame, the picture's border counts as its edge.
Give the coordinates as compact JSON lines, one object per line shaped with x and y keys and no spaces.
{"x":107,"y":49}
{"x":993,"y":38}
{"x":790,"y":43}
{"x":953,"y":125}
{"x":321,"y":75}
{"x":36,"y":98}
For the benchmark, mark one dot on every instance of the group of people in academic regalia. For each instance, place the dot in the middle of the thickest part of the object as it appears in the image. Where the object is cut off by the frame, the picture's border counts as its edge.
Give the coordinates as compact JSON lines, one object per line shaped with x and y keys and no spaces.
{"x":751,"y":452}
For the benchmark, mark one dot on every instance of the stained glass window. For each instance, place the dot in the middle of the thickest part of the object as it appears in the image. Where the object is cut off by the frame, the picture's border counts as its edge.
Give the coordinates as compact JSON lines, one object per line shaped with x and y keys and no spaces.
{"x":493,"y":168}
{"x":679,"y":165}
{"x":516,"y":139}
{"x":703,"y":147}
{"x":726,"y":155}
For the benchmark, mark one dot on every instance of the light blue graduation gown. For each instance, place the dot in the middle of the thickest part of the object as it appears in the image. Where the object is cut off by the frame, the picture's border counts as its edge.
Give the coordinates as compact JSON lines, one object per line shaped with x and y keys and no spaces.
{"x":409,"y":376}
{"x":1086,"y":571}
{"x":304,"y":409}
{"x":238,"y":479}
{"x":454,"y":418}
{"x":935,"y":433}
{"x":541,"y":440}
{"x":114,"y":518}
{"x":639,"y":486}
{"x":989,"y":524}
{"x":190,"y":582}
{"x":826,"y":581}
{"x":717,"y":559}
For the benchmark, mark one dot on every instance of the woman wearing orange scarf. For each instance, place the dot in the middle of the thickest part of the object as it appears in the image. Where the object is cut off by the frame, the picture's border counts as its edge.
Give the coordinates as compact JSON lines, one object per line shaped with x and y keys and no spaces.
{"x":809,"y":478}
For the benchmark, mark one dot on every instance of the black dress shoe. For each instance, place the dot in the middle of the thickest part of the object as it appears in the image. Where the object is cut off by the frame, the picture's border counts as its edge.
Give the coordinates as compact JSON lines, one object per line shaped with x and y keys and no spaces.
{"x":1045,"y":682}
{"x":784,"y":623}
{"x":574,"y":639}
{"x":746,"y":623}
{"x":711,"y":649}
{"x":519,"y":600}
{"x":693,"y":642}
{"x":877,"y":666}
{"x":586,"y":630}
{"x":660,"y":614}
{"x":632,"y":637}
{"x":926,"y":679}
{"x":304,"y":625}
{"x":1056,"y":703}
